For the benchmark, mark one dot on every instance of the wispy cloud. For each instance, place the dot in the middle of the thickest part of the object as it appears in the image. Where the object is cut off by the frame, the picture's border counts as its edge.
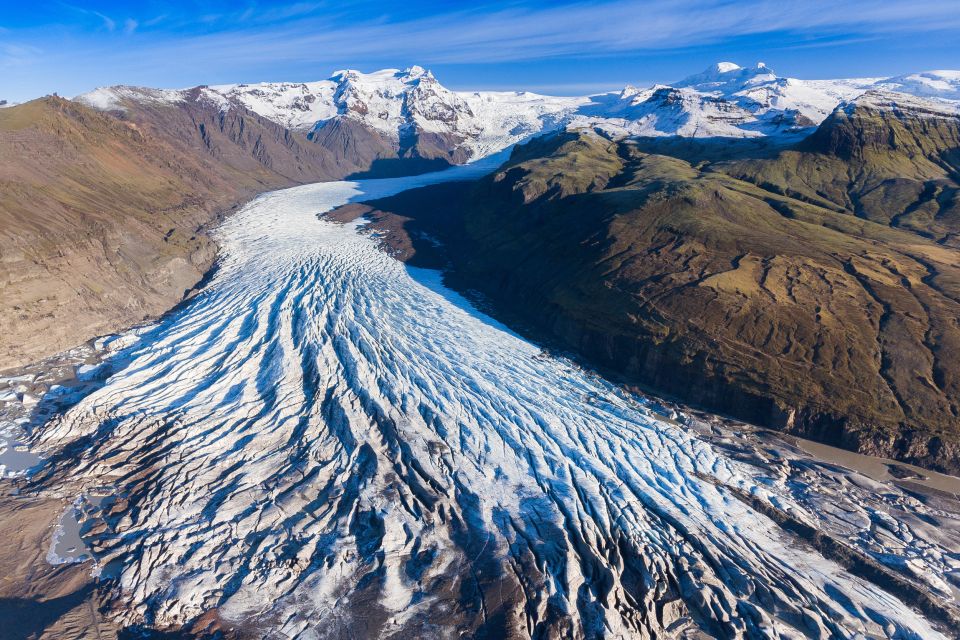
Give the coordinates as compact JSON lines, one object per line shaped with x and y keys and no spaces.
{"x":109,"y":23}
{"x":587,"y":28}
{"x":105,"y":21}
{"x":253,"y":40}
{"x":155,"y":20}
{"x":15,"y":55}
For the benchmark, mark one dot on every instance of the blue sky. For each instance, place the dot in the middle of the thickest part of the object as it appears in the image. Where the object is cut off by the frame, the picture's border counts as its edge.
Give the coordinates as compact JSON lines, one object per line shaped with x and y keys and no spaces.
{"x":563,"y":47}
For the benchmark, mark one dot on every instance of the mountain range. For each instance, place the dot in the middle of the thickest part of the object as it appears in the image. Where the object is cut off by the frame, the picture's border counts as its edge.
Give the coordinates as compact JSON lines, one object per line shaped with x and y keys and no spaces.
{"x":403,"y":107}
{"x":777,"y":249}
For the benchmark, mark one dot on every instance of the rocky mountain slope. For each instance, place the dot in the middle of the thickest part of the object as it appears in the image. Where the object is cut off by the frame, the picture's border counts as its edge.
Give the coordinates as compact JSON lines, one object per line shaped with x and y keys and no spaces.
{"x":102,"y":217}
{"x":884,"y":157}
{"x":816,"y":291}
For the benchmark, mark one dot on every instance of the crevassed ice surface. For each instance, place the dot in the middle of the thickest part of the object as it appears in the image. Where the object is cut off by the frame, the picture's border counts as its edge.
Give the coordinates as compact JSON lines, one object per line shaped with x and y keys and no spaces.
{"x":324,"y":443}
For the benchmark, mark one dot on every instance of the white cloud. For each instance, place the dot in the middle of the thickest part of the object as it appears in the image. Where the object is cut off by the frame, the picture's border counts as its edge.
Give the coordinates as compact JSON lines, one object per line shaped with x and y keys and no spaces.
{"x":106,"y":21}
{"x":574,"y":29}
{"x":262,"y":39}
{"x":14,"y":55}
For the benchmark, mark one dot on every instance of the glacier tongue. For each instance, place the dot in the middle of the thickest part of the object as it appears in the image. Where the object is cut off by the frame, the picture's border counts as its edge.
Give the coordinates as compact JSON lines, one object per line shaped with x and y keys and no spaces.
{"x":325,"y":443}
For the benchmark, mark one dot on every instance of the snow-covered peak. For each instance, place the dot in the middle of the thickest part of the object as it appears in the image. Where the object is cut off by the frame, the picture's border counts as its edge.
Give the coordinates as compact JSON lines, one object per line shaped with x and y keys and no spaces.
{"x":378,"y":99}
{"x":416,"y":71}
{"x":7,"y":103}
{"x":295,"y":105}
{"x":779,"y":104}
{"x":395,"y":101}
{"x":930,"y":84}
{"x":633,"y":96}
{"x":389,"y":100}
{"x":381,"y":76}
{"x":724,"y":100}
{"x":119,"y":97}
{"x":668,"y":111}
{"x":883,"y":99}
{"x":726,"y":67}
{"x":215,"y":98}
{"x":727,"y":77}
{"x":113,"y":98}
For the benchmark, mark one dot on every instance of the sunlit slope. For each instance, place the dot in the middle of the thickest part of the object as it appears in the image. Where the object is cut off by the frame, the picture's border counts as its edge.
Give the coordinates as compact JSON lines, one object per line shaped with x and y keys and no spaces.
{"x":98,"y":224}
{"x":827,"y":312}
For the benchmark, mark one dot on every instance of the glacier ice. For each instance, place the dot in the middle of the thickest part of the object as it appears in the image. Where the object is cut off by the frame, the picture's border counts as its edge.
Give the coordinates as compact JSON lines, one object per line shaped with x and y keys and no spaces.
{"x":325,"y":442}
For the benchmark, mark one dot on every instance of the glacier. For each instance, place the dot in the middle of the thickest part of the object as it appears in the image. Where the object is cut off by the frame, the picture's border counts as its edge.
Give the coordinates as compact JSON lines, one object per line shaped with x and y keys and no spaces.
{"x":324,"y":442}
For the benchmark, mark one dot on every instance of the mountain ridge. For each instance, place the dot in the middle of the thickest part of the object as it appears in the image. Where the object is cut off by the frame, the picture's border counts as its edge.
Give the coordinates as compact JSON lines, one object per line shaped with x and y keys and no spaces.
{"x":725,"y":100}
{"x":105,"y":215}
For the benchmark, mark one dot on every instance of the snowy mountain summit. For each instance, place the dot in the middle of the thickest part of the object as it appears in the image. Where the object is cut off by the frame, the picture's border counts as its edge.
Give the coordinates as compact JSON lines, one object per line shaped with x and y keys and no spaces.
{"x":410,"y":109}
{"x":396,"y":102}
{"x":942,"y":84}
{"x":728,"y":77}
{"x":725,"y":100}
{"x":770,"y":97}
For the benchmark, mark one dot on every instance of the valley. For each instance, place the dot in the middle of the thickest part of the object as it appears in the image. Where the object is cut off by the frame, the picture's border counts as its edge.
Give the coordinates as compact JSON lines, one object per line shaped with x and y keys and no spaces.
{"x":325,"y":442}
{"x":368,"y":357}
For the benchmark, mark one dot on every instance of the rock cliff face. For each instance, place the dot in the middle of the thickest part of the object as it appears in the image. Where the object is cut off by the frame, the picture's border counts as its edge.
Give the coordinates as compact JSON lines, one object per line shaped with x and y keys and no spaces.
{"x":240,"y":142}
{"x":743,"y":286}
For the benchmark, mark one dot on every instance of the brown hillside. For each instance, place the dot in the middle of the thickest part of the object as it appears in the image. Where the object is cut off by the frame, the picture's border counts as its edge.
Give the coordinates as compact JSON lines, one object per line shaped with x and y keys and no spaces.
{"x":788,"y":311}
{"x":101,"y":219}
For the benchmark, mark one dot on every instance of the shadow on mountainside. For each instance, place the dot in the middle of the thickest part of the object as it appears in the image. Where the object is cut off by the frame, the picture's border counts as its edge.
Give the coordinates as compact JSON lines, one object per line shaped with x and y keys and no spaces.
{"x":25,"y":618}
{"x":399,"y":167}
